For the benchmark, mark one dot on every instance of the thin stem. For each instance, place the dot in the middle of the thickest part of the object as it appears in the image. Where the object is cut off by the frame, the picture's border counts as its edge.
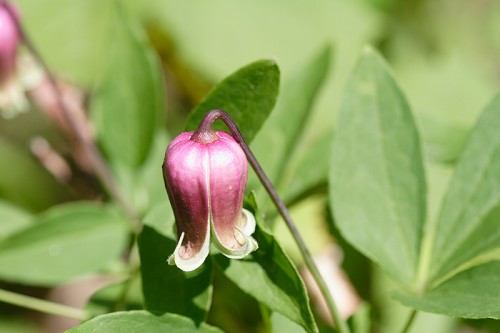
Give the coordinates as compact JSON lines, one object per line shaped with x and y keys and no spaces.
{"x":97,"y":161}
{"x":409,"y":321}
{"x":205,"y":127}
{"x":42,"y":305}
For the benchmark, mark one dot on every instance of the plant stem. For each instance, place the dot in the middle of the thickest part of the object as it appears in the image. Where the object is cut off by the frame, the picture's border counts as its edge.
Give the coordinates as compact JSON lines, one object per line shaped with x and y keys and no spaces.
{"x":205,"y":127}
{"x":409,"y":321}
{"x":42,"y":305}
{"x":97,"y":161}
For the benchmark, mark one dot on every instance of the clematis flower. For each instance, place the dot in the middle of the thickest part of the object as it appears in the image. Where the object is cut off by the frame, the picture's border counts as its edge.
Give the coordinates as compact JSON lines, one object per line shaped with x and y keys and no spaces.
{"x":9,"y":40}
{"x":12,"y":98}
{"x":205,"y":175}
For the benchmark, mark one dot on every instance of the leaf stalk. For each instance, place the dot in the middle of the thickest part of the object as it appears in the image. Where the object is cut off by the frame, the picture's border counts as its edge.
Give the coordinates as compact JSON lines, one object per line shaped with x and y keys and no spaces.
{"x":43,"y":305}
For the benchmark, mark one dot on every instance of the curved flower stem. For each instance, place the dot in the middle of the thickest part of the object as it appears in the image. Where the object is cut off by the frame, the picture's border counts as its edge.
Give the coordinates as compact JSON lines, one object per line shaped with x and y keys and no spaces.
{"x":97,"y":161}
{"x":42,"y":305}
{"x":409,"y":321}
{"x":205,"y":127}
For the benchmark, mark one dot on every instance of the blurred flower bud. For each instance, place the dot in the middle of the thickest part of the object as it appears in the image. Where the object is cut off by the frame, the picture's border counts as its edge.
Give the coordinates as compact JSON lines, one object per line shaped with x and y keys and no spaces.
{"x":9,"y":39}
{"x":12,"y":98}
{"x":205,"y":176}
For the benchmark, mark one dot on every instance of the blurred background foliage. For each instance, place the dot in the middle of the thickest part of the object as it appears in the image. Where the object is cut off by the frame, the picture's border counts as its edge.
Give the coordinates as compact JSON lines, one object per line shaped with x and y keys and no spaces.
{"x":444,"y":54}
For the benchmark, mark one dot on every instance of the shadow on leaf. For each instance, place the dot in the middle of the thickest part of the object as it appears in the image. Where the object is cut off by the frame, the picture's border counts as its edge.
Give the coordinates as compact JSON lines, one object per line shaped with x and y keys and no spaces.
{"x":167,"y":288}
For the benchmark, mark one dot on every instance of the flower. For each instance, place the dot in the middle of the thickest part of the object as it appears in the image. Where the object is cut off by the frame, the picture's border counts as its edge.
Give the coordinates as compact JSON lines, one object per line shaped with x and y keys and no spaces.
{"x":9,"y":40}
{"x":205,"y":175}
{"x":12,"y":98}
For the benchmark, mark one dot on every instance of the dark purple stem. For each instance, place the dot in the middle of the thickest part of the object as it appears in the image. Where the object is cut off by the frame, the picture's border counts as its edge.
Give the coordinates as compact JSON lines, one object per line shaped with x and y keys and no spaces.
{"x":204,"y":130}
{"x":98,"y":162}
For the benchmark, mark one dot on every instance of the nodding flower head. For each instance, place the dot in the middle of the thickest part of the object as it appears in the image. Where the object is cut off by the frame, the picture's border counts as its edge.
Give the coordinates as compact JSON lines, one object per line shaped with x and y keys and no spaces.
{"x":9,"y":40}
{"x":205,"y":175}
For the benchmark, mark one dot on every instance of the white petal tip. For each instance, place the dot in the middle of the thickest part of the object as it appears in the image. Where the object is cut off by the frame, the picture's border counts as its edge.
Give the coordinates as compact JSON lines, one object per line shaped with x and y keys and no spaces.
{"x":245,"y":231}
{"x":188,"y":265}
{"x":249,"y":223}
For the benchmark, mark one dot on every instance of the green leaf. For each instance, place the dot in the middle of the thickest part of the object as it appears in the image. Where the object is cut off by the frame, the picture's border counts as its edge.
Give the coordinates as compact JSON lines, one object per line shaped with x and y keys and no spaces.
{"x":128,"y":101}
{"x":12,"y":219}
{"x":251,"y":30}
{"x":444,"y":140}
{"x":25,"y":182}
{"x":64,"y":243}
{"x":467,"y":232}
{"x":470,"y":294}
{"x":361,"y":320}
{"x":150,"y":175}
{"x":248,"y":95}
{"x":270,"y":277}
{"x":122,"y":295}
{"x":144,"y":187}
{"x":285,"y":126}
{"x":377,"y":186}
{"x":167,"y":288}
{"x":280,"y":323}
{"x":308,"y":170}
{"x":463,"y":277}
{"x":141,"y":321}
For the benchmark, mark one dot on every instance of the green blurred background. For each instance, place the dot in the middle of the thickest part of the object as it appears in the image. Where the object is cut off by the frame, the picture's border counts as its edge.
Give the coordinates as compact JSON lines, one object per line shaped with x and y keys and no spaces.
{"x":444,"y":54}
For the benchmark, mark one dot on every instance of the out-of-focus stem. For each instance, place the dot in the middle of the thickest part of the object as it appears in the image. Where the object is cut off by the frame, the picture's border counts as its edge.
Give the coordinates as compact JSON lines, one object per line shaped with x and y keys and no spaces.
{"x":205,"y":127}
{"x":409,"y":321}
{"x":42,"y":305}
{"x":97,"y":161}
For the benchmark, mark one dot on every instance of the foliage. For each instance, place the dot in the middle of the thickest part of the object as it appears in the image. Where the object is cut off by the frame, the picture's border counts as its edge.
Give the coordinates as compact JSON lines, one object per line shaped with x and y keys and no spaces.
{"x":391,"y":147}
{"x":377,"y":165}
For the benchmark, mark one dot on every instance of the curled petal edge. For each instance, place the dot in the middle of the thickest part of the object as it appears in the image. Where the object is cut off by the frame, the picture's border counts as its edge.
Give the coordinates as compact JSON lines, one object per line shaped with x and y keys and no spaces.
{"x":194,"y":262}
{"x":246,"y":230}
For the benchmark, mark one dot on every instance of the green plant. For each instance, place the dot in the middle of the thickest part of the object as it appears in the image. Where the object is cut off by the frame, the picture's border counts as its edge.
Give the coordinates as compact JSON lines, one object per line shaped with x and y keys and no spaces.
{"x":382,"y":187}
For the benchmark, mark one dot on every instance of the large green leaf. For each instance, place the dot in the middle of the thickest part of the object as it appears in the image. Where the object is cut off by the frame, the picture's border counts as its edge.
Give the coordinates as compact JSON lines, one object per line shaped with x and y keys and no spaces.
{"x":284,"y":128}
{"x":167,"y":288}
{"x":270,"y":277}
{"x":128,"y":102}
{"x":460,"y":276}
{"x":64,"y":243}
{"x":248,"y":95}
{"x":468,"y":228}
{"x":12,"y":219}
{"x":377,"y":186}
{"x":456,"y":270}
{"x":141,"y":321}
{"x":470,"y":294}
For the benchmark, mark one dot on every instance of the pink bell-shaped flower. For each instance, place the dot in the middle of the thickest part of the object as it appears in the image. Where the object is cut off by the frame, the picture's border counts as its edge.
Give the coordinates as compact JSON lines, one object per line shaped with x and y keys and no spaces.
{"x":205,"y":176}
{"x":12,"y":98}
{"x":9,"y":40}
